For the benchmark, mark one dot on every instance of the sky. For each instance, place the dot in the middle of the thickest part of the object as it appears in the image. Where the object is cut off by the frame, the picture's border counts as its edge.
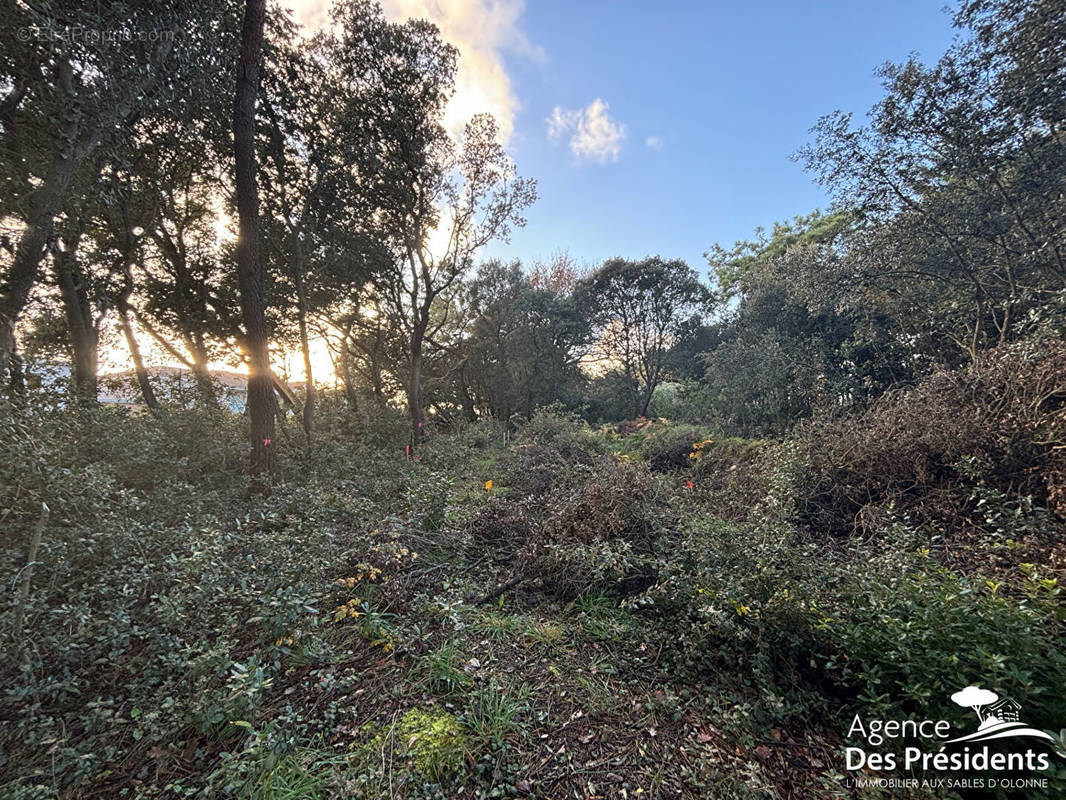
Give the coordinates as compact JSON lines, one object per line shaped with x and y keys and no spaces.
{"x":664,"y":128}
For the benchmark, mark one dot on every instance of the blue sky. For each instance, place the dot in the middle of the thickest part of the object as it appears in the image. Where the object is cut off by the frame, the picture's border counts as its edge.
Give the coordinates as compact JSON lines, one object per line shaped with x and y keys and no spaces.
{"x":726,"y":91}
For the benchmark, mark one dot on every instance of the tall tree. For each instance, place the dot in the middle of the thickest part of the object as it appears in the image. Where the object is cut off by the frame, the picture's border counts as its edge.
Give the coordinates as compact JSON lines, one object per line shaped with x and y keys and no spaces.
{"x":316,"y":225}
{"x":960,"y":177}
{"x":262,"y":405}
{"x":525,"y":344}
{"x":68,"y":96}
{"x":438,"y":202}
{"x":638,"y":310}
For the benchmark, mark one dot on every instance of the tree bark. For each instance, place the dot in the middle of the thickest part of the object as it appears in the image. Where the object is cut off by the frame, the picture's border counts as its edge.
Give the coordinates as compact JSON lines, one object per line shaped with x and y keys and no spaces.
{"x":346,"y":368}
{"x":143,"y":379}
{"x":45,"y":203}
{"x":463,"y":384}
{"x":414,"y":393}
{"x":305,"y":345}
{"x":78,"y":143}
{"x":262,"y":404}
{"x":77,"y":307}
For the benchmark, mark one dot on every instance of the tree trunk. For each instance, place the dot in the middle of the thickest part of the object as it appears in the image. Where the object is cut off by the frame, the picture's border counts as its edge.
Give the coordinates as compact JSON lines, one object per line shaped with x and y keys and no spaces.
{"x":305,"y":346}
{"x":414,"y":392}
{"x":262,"y":404}
{"x":464,"y":396}
{"x":17,"y":379}
{"x":206,"y":388}
{"x":143,"y":379}
{"x":77,"y":307}
{"x":77,"y":143}
{"x":122,"y":302}
{"x":346,"y":369}
{"x":645,"y":400}
{"x":45,"y":203}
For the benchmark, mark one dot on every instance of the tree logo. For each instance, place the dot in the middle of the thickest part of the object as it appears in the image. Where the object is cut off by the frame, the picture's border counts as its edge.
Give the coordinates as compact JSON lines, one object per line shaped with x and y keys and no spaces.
{"x":997,"y":717}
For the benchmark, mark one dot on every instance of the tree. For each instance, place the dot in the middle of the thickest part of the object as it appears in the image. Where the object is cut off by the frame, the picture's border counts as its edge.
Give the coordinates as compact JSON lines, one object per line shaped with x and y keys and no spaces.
{"x":185,"y":276}
{"x":68,"y":96}
{"x":959,"y":180}
{"x":525,"y":343}
{"x":262,"y":405}
{"x":638,"y":310}
{"x":798,"y":332}
{"x":317,"y":227}
{"x":438,"y":202}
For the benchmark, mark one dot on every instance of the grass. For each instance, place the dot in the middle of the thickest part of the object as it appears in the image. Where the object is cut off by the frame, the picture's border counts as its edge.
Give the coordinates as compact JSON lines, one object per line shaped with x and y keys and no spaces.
{"x":500,"y":627}
{"x":305,"y":775}
{"x":547,"y":633}
{"x":493,"y":712}
{"x":443,"y":670}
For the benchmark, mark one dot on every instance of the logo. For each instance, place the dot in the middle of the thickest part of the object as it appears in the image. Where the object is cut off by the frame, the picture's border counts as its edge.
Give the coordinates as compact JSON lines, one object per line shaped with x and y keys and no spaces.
{"x":946,"y":761}
{"x":999,"y":721}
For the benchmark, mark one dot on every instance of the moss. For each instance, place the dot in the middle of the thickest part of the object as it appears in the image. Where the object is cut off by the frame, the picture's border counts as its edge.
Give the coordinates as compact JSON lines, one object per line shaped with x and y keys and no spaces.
{"x":432,"y":742}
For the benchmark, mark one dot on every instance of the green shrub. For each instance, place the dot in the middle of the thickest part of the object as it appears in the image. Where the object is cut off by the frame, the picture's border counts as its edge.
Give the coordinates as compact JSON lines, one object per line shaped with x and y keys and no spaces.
{"x":880,"y":626}
{"x":668,"y":448}
{"x":551,"y":448}
{"x":906,"y":645}
{"x":600,"y":533}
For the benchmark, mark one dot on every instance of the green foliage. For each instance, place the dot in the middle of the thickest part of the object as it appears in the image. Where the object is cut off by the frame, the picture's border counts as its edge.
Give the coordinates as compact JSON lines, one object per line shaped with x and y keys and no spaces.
{"x":889,"y":630}
{"x":494,"y":712}
{"x":554,"y":444}
{"x":524,"y":342}
{"x":443,"y":669}
{"x":670,"y":447}
{"x":908,"y":644}
{"x":638,"y":309}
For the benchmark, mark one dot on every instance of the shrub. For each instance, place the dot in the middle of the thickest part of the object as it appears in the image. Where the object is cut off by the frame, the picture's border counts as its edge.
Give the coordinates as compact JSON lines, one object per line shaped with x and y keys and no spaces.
{"x":999,"y":424}
{"x":881,"y":626}
{"x":907,"y":645}
{"x":551,"y":447}
{"x":600,"y":533}
{"x":733,"y":476}
{"x":669,"y":448}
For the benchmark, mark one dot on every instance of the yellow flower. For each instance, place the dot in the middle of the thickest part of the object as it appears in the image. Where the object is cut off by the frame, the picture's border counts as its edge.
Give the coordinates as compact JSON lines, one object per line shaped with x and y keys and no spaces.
{"x":488,"y":485}
{"x":743,"y":610}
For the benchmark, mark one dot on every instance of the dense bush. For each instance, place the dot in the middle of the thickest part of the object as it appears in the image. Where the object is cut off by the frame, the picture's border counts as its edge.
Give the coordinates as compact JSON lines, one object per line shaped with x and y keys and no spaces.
{"x":998,"y":424}
{"x":670,"y":447}
{"x":551,"y":446}
{"x":733,"y":475}
{"x":885,"y":629}
{"x":601,"y":533}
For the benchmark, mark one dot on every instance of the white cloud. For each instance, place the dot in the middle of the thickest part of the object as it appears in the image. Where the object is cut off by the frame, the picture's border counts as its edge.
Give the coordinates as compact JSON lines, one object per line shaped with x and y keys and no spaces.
{"x":594,"y":136}
{"x":482,"y":30}
{"x":653,"y":143}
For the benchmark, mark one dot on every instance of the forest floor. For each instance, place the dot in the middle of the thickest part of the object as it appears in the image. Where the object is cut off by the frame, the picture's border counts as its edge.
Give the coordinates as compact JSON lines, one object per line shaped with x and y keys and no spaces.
{"x":377,"y":628}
